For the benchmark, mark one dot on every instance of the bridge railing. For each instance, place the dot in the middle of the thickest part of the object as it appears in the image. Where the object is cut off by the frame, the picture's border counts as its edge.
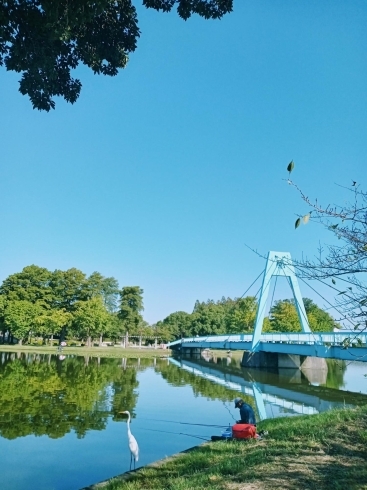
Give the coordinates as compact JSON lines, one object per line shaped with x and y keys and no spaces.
{"x":331,"y":338}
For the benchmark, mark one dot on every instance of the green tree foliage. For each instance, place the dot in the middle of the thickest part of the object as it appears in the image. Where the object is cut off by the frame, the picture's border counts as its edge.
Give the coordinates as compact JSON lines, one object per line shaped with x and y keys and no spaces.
{"x":131,"y":306}
{"x":91,"y":319}
{"x":20,"y":317}
{"x":48,"y":303}
{"x":32,"y":284}
{"x":174,"y":326}
{"x":238,"y":316}
{"x":210,"y":318}
{"x":2,"y":314}
{"x":45,"y":39}
{"x":244,"y":315}
{"x":105,"y":287}
{"x":284,"y":318}
{"x":68,"y":287}
{"x":320,"y":320}
{"x":52,"y":322}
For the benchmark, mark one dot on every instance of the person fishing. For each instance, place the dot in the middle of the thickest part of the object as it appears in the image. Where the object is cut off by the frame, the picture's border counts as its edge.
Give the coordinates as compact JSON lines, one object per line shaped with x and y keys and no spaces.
{"x":246,"y":412}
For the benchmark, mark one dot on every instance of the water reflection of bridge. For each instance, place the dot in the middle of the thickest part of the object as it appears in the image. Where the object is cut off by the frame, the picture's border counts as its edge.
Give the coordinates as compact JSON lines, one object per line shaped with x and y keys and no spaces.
{"x":291,"y":393}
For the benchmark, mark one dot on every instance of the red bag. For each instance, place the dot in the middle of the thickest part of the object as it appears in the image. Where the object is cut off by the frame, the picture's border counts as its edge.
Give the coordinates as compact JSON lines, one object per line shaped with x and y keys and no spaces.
{"x":243,"y":431}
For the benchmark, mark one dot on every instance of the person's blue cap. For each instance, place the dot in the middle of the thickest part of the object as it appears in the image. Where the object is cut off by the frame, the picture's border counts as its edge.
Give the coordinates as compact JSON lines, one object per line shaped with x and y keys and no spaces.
{"x":237,"y":401}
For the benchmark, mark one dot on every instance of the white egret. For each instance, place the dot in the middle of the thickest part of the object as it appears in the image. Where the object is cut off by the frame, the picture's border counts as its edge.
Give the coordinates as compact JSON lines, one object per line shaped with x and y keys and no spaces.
{"x":133,"y":445}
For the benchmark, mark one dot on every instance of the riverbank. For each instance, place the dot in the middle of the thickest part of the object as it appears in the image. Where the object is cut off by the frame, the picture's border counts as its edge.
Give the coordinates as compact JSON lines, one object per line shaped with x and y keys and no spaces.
{"x":116,"y":352}
{"x":316,"y":452}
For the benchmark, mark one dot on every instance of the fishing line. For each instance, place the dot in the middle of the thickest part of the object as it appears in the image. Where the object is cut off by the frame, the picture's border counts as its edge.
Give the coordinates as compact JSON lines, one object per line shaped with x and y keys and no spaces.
{"x":178,"y":433}
{"x":185,"y":423}
{"x":230,"y":413}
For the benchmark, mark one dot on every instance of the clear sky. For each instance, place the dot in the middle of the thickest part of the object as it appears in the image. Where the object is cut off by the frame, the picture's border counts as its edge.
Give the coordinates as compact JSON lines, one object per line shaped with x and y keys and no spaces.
{"x":160,"y":175}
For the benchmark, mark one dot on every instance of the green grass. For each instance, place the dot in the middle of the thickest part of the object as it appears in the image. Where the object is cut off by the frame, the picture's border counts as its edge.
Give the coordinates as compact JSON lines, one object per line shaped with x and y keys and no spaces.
{"x":316,"y":452}
{"x":117,"y":352}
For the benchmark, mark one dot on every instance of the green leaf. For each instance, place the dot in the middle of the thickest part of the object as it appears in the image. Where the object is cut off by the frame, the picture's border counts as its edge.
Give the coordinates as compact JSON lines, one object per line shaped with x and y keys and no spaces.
{"x":356,"y":326}
{"x":333,"y":227}
{"x":290,"y":166}
{"x":333,"y":281}
{"x":306,"y":218}
{"x":341,"y":292}
{"x":297,"y":223}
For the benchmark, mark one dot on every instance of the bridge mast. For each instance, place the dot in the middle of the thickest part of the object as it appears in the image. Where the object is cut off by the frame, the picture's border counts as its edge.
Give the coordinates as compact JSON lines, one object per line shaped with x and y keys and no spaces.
{"x":278,"y":264}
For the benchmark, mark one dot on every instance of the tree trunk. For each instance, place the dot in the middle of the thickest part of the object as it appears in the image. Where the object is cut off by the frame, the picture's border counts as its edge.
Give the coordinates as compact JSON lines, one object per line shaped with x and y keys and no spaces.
{"x":20,"y":341}
{"x":100,"y":339}
{"x":62,"y":335}
{"x":140,"y":342}
{"x":89,"y":341}
{"x":52,"y":339}
{"x":127,"y":340}
{"x":155,"y":343}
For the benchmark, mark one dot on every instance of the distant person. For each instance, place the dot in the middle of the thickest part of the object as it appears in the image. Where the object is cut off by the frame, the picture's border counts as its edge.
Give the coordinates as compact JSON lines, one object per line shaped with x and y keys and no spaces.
{"x":61,"y":346}
{"x":246,"y":412}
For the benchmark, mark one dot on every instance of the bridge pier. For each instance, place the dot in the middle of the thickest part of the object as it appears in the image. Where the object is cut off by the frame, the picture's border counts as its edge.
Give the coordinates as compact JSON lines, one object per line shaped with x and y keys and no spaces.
{"x":191,"y":352}
{"x":312,"y":367}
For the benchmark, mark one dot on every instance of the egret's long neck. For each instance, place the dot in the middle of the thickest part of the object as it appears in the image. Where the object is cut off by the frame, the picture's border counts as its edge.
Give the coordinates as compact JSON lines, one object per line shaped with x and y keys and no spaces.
{"x":128,"y":423}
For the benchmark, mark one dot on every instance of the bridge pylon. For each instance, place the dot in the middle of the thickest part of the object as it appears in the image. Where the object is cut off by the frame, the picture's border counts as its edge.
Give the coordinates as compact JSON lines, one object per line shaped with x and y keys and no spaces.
{"x":278,"y":264}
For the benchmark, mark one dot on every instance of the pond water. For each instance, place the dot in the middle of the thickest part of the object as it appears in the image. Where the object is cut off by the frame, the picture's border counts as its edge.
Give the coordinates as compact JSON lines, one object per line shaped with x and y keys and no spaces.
{"x":60,"y":426}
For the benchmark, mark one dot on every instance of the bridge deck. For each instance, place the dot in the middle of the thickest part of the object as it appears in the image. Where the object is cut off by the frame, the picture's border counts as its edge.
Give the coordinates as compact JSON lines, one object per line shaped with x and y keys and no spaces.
{"x":349,"y":346}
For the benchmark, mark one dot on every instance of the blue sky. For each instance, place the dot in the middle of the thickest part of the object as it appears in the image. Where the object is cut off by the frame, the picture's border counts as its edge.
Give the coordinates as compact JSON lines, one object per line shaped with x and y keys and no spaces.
{"x":160,"y":175}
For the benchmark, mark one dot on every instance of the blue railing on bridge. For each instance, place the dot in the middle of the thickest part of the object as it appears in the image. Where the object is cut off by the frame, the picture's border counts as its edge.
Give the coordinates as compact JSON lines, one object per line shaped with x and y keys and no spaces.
{"x":332,"y":338}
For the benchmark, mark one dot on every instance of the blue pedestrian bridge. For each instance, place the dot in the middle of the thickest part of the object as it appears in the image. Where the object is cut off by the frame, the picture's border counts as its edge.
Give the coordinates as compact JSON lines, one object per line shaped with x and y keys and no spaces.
{"x":281,"y":350}
{"x":347,"y":346}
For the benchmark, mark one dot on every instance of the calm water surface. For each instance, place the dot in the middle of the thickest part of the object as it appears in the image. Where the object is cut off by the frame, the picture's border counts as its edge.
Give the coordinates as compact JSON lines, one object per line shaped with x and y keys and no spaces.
{"x":60,"y":426}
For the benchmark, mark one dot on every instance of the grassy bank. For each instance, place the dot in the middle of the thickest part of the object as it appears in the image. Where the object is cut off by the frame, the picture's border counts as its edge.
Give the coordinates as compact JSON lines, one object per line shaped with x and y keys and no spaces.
{"x":117,"y":352}
{"x":316,"y":452}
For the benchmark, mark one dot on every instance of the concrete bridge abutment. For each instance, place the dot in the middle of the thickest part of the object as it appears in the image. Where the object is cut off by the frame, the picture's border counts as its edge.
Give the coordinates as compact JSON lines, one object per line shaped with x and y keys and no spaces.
{"x":312,"y":367}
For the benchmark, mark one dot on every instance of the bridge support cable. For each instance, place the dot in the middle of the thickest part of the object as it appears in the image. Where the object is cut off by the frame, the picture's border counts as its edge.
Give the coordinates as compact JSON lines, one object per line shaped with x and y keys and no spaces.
{"x":248,"y":289}
{"x":343,"y":317}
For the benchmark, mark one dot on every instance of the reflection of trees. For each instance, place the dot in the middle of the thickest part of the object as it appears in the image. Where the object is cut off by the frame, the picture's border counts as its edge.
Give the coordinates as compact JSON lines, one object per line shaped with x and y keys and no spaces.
{"x":335,"y":374}
{"x":42,"y":395}
{"x":200,"y":386}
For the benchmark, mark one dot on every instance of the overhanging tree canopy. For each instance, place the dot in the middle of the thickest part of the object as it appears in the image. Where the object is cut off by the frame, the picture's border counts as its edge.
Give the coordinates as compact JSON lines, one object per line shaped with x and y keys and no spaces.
{"x":45,"y":39}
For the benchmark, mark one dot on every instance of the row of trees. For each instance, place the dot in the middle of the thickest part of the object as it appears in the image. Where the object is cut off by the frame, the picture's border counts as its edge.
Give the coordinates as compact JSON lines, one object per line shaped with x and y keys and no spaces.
{"x":238,"y":316}
{"x":38,"y":302}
